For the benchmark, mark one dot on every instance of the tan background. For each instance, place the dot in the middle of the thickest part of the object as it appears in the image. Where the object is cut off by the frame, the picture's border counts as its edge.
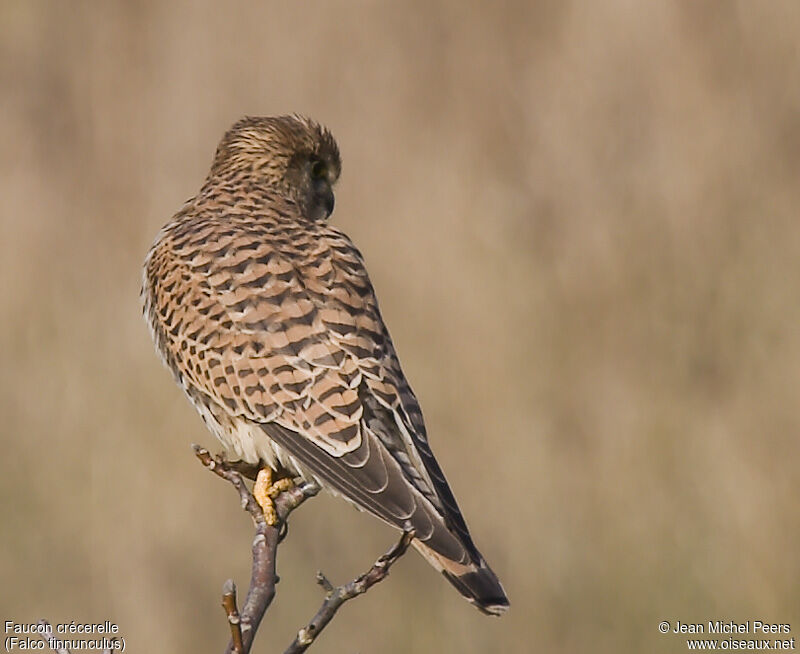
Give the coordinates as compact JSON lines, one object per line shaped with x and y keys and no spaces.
{"x":582,"y":222}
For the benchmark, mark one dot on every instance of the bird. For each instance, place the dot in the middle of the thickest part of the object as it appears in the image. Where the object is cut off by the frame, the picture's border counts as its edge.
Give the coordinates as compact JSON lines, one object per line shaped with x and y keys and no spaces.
{"x":267,"y":318}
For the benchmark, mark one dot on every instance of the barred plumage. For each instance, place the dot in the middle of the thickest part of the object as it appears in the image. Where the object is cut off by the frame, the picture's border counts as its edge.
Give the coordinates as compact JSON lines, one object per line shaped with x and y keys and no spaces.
{"x":266,"y":316}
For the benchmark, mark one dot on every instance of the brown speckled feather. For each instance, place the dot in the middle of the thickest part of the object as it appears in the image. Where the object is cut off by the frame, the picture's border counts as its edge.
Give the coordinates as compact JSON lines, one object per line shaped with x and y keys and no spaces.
{"x":267,"y":319}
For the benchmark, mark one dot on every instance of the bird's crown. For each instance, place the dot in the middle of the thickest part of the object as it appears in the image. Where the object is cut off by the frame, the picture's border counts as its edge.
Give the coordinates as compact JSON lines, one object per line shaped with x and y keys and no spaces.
{"x":269,"y":144}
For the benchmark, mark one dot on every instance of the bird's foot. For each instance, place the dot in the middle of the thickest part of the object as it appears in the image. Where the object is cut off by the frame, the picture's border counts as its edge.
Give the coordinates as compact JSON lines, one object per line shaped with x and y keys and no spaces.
{"x":265,"y":490}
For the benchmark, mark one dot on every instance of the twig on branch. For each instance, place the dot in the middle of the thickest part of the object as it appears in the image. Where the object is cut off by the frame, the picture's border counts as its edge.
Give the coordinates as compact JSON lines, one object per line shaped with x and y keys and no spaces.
{"x":335,"y":597}
{"x":265,"y":544}
{"x":232,"y":611}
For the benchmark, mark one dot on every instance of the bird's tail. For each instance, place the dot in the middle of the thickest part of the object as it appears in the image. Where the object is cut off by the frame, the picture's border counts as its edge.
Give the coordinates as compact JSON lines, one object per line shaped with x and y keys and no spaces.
{"x":475,"y":581}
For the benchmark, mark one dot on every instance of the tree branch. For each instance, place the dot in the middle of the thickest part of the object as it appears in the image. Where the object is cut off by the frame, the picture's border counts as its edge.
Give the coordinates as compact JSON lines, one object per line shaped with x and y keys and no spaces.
{"x":244,"y":624}
{"x":263,"y":578}
{"x":335,"y":597}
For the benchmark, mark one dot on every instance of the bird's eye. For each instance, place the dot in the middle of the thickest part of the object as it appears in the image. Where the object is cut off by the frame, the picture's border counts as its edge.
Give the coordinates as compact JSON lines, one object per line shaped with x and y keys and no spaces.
{"x":318,"y":170}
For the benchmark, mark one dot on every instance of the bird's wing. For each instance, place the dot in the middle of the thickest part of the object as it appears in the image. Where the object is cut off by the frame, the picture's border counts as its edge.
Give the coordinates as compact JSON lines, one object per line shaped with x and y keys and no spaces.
{"x":282,"y":328}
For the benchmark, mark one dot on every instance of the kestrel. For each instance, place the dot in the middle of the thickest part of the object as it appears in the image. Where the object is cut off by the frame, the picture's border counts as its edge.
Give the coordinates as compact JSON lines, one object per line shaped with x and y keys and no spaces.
{"x":267,"y":318}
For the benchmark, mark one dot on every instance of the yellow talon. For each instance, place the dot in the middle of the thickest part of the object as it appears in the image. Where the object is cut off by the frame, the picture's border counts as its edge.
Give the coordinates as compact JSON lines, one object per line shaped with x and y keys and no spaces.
{"x":265,"y":491}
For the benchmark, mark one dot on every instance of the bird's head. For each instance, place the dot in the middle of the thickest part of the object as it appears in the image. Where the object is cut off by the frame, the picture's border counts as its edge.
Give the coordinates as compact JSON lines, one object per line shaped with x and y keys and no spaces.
{"x":290,"y":154}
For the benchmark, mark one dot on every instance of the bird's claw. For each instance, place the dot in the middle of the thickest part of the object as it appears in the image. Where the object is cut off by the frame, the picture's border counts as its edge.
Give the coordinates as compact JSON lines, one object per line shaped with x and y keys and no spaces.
{"x":265,"y":491}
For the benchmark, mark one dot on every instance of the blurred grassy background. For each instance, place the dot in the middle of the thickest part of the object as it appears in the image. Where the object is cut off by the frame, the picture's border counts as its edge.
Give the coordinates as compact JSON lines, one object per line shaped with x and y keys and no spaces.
{"x":582,"y":223}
